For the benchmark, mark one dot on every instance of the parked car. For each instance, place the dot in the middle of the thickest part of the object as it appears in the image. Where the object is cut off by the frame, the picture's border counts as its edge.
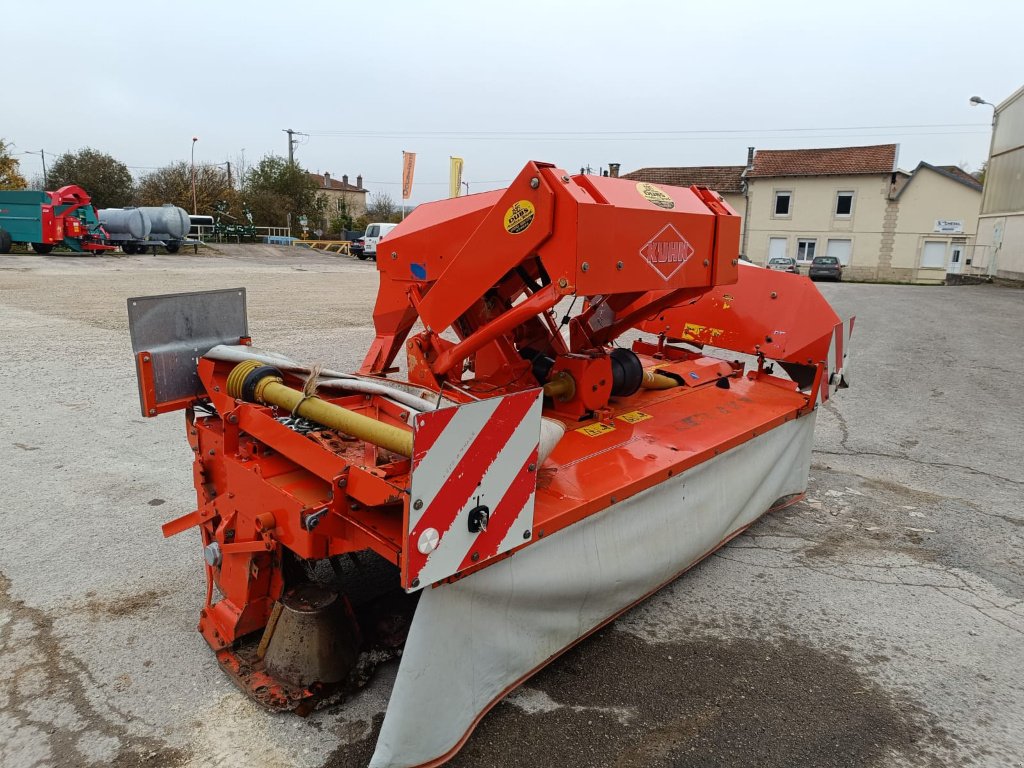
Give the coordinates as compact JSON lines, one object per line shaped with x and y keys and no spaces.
{"x":356,"y":248}
{"x":825,"y":268}
{"x":374,"y":234}
{"x":784,"y":264}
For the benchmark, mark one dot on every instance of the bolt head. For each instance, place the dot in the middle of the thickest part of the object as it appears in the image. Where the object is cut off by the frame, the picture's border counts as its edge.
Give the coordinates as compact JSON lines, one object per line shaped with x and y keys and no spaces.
{"x":418,"y":504}
{"x":475,"y":557}
{"x":526,"y":534}
{"x":618,"y":265}
{"x":706,"y":262}
{"x":152,"y":411}
{"x":585,"y":266}
{"x":212,"y":554}
{"x":534,"y":182}
{"x":562,"y":282}
{"x":145,"y":358}
{"x":531,"y":468}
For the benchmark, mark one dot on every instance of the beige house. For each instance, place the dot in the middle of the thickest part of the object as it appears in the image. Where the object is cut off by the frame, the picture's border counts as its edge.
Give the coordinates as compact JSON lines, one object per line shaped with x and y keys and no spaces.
{"x":847,"y":202}
{"x":936,"y":218}
{"x":1000,"y":246}
{"x":340,"y":194}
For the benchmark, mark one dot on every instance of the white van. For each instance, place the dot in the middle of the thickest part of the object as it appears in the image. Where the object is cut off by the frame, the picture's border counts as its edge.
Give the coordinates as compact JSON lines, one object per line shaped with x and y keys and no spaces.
{"x":373,"y":235}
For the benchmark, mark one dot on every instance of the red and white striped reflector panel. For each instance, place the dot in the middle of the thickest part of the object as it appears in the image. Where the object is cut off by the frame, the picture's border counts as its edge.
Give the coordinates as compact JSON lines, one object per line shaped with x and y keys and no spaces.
{"x":837,"y":373}
{"x":471,"y":462}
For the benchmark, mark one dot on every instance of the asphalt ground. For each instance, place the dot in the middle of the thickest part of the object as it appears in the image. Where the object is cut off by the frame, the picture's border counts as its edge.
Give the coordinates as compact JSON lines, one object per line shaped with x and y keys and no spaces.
{"x":877,"y":623}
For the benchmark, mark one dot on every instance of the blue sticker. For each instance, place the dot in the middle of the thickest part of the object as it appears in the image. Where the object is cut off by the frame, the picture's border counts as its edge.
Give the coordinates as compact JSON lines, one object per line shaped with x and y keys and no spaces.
{"x":419,"y":271}
{"x":694,"y":375}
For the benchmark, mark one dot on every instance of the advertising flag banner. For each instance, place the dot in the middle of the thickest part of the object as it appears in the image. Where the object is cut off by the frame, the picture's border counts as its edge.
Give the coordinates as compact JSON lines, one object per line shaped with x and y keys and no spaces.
{"x":455,"y":179}
{"x":408,"y":169}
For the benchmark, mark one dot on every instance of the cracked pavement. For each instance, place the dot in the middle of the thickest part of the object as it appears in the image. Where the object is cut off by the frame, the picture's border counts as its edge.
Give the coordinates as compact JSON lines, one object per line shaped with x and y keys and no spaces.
{"x":879,"y":622}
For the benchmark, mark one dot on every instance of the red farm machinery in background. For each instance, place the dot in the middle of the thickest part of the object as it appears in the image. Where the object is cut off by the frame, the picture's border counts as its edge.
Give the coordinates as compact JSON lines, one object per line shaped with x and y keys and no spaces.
{"x":522,"y":477}
{"x":46,"y":220}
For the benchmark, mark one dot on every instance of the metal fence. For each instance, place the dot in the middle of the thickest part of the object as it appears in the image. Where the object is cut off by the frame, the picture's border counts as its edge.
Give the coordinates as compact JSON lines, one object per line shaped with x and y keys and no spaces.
{"x":208,"y":234}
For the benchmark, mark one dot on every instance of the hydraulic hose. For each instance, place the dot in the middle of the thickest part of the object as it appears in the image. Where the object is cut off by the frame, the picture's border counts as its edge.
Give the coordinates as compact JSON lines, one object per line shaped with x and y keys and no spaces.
{"x":256,"y":383}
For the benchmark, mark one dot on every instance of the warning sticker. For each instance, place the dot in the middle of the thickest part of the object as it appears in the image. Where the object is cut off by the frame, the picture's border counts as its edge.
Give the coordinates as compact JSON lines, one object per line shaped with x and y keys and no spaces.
{"x":519,"y":217}
{"x":655,"y":195}
{"x":596,"y":429}
{"x":633,"y":417}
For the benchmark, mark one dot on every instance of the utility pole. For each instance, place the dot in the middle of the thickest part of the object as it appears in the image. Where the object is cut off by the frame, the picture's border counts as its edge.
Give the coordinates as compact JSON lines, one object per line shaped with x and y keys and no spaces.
{"x":292,"y":141}
{"x":230,"y":185}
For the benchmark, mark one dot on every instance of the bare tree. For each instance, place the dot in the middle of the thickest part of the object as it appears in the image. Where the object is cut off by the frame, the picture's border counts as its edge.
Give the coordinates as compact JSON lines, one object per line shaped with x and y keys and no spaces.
{"x":381,"y":207}
{"x":173,"y":184}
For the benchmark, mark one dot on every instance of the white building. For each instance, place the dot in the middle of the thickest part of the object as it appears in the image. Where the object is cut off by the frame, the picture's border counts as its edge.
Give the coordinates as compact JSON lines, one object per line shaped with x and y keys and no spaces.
{"x":1000,"y":245}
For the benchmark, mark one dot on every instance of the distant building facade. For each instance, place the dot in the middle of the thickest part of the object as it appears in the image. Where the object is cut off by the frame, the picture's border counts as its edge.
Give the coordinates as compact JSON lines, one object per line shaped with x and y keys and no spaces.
{"x":847,"y":202}
{"x":341,"y":194}
{"x":1000,"y":245}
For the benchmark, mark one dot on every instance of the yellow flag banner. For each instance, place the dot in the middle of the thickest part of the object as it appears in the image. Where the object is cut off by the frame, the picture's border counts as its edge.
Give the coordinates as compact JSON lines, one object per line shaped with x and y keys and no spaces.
{"x":455,"y":179}
{"x":408,"y":169}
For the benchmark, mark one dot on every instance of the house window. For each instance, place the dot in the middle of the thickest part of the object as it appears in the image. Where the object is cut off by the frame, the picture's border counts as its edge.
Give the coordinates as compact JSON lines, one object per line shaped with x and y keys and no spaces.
{"x":776,"y":248}
{"x":783,"y":202}
{"x":805,"y":248}
{"x":844,"y":203}
{"x":840,"y":249}
{"x":933,"y":255}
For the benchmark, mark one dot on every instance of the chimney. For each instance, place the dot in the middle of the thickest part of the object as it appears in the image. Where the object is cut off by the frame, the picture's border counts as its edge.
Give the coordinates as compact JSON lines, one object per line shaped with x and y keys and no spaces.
{"x":613,"y":170}
{"x":359,"y":181}
{"x":750,"y":157}
{"x":327,"y":180}
{"x":344,"y":179}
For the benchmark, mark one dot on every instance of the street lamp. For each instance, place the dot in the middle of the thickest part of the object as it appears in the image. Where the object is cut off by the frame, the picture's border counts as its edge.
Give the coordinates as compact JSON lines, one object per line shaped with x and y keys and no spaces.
{"x":194,"y":206}
{"x":976,"y":100}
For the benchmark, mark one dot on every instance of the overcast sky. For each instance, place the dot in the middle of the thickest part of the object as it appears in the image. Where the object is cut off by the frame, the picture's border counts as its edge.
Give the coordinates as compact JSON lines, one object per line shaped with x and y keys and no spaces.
{"x":573,"y":83}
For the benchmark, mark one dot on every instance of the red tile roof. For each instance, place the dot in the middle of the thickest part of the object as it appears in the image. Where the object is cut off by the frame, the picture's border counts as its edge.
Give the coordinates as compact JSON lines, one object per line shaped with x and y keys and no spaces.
{"x":833,"y":161}
{"x":335,"y":184}
{"x":721,"y":178}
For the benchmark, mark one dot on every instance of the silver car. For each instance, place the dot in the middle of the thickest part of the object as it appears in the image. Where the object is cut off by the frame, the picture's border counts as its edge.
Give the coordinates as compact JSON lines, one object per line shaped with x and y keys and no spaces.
{"x":784,"y":264}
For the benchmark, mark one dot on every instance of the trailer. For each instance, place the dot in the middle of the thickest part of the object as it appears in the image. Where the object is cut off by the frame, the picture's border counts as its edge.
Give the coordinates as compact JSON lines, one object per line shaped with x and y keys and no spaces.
{"x":45,"y":220}
{"x":136,"y":229}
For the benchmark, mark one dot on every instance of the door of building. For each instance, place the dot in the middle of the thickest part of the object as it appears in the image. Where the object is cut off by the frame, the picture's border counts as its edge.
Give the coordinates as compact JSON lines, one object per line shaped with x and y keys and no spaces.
{"x":956,"y":258}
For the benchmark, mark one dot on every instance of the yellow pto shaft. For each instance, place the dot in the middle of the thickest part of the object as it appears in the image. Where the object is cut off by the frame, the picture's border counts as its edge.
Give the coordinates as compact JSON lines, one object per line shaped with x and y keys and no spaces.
{"x":255,"y":382}
{"x":655,"y":380}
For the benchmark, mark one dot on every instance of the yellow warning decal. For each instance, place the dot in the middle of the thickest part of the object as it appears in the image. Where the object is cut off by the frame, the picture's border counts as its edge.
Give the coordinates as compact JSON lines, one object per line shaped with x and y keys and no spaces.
{"x":701,"y":333}
{"x":655,"y":195}
{"x":596,"y":429}
{"x":634,"y":416}
{"x":519,"y":217}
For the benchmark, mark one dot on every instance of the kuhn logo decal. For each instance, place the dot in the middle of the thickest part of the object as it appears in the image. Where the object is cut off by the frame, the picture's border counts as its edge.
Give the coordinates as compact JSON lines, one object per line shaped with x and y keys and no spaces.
{"x":667,"y":251}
